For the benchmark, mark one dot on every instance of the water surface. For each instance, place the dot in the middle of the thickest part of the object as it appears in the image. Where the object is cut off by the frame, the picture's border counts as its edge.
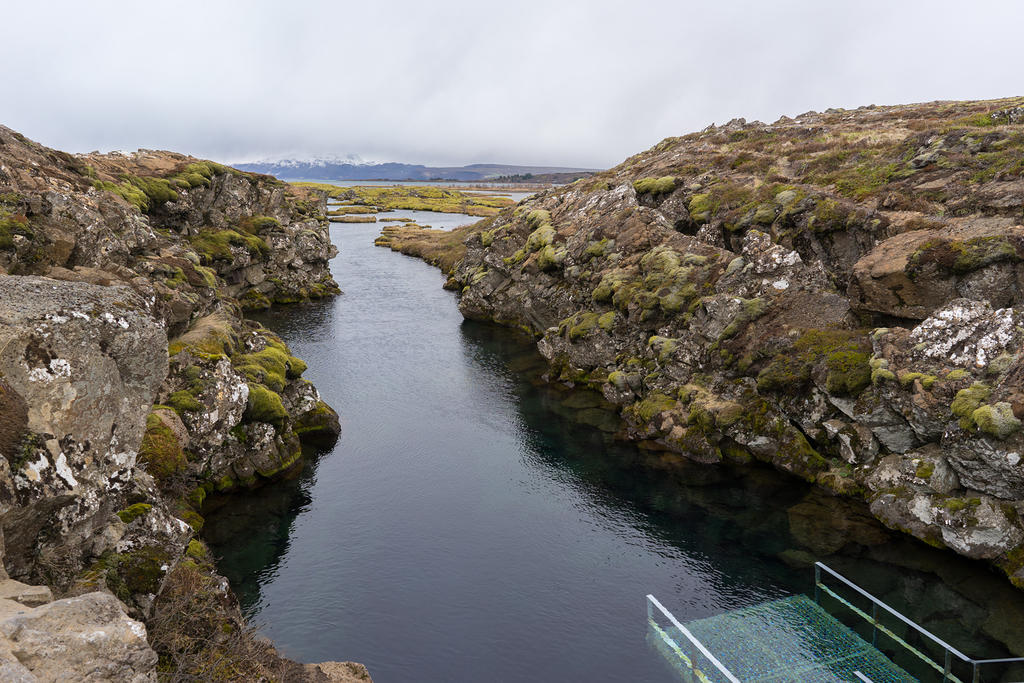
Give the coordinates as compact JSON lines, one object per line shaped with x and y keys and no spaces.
{"x":475,"y":524}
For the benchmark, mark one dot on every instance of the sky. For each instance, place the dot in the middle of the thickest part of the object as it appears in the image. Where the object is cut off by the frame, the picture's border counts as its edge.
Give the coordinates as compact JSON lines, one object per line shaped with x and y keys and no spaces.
{"x":450,"y":83}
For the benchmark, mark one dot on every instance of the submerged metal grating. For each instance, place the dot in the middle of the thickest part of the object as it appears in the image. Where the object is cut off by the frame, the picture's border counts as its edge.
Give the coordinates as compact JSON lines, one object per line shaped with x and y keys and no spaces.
{"x":792,"y":639}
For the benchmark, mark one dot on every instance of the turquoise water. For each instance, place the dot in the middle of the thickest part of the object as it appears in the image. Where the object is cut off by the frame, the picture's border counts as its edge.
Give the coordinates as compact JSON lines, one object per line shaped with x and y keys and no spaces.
{"x":476,"y":524}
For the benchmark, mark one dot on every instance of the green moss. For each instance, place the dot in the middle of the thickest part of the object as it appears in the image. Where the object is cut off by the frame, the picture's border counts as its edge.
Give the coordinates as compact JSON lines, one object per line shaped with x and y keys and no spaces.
{"x":256,"y":225}
{"x":663,"y":347}
{"x":487,"y":238}
{"x":785,"y":374}
{"x":654,"y":404}
{"x":198,"y":174}
{"x":967,"y":401}
{"x":1000,"y":364}
{"x":538,"y":217}
{"x":549,"y":258}
{"x":137,"y":572}
{"x":11,"y":226}
{"x":160,"y":453}
{"x":184,"y":402}
{"x":662,"y":185}
{"x":956,"y":375}
{"x":579,"y":325}
{"x":596,"y":248}
{"x":996,"y":420}
{"x":215,"y":245}
{"x":955,"y":505}
{"x":540,"y":238}
{"x":964,"y":256}
{"x":133,"y":512}
{"x":272,"y":366}
{"x":196,"y":550}
{"x":702,"y":207}
{"x":254,"y":300}
{"x":879,"y":375}
{"x":606,"y":321}
{"x":750,"y":310}
{"x":848,"y":372}
{"x":925,"y":469}
{"x":265,"y":406}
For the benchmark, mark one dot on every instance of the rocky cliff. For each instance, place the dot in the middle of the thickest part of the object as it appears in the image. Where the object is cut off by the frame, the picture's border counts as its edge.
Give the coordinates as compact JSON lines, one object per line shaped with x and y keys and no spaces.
{"x":840,"y":294}
{"x":131,"y":387}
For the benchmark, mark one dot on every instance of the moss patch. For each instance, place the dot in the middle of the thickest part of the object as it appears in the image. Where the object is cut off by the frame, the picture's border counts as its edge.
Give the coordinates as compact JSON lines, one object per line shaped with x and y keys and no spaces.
{"x":662,"y":185}
{"x":967,"y":401}
{"x":996,"y":420}
{"x":265,"y":406}
{"x":133,"y":512}
{"x":160,"y":453}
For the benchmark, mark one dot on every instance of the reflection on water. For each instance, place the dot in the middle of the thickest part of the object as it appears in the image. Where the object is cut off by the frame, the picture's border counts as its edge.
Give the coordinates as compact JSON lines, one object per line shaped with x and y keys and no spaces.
{"x":473,"y":523}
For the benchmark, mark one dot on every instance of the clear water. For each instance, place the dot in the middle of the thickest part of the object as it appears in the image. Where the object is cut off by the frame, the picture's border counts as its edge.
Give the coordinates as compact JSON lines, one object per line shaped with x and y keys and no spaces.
{"x":476,"y":524}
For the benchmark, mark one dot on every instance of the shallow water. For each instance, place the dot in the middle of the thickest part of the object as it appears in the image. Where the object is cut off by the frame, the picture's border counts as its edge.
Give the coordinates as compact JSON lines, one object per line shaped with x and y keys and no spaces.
{"x":474,"y":524}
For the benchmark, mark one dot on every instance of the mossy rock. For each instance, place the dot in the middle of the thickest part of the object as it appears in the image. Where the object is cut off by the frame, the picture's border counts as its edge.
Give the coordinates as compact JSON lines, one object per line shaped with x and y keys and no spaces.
{"x":160,"y":454}
{"x":785,"y":374}
{"x":133,"y":512}
{"x":655,"y":186}
{"x":265,"y":405}
{"x":215,"y":245}
{"x":273,"y":366}
{"x":654,"y":404}
{"x":996,"y":420}
{"x":318,"y":427}
{"x":139,"y":572}
{"x":550,"y":259}
{"x":540,"y":238}
{"x":184,"y":402}
{"x":254,"y":300}
{"x":967,"y":401}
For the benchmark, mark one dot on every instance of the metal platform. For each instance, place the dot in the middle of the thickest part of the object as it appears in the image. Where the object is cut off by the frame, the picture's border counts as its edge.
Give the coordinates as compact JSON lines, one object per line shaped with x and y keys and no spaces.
{"x":792,"y":639}
{"x":797,"y":640}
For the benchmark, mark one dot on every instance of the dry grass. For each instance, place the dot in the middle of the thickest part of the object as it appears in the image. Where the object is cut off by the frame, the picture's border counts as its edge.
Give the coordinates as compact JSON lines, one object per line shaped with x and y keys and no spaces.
{"x":196,"y":631}
{"x":441,"y":248}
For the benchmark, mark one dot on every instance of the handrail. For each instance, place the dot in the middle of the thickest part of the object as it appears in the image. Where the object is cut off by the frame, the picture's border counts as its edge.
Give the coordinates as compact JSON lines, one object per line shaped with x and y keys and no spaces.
{"x":875,"y":602}
{"x":861,"y":677}
{"x":696,"y":643}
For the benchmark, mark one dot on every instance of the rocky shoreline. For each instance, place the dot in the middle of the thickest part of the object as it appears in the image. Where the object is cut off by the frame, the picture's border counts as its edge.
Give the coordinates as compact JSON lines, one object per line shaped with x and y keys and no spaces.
{"x":840,"y":295}
{"x":131,"y":387}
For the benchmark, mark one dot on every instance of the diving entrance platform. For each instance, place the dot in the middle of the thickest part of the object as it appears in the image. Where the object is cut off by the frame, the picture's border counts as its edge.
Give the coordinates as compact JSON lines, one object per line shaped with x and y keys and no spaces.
{"x":801,"y":639}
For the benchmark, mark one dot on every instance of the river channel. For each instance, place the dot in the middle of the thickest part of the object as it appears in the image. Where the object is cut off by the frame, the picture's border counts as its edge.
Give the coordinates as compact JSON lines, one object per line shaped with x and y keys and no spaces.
{"x":476,"y":524}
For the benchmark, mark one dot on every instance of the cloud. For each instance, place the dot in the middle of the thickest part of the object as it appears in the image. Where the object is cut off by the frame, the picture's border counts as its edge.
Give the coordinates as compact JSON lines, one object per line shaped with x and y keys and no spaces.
{"x":574,"y":83}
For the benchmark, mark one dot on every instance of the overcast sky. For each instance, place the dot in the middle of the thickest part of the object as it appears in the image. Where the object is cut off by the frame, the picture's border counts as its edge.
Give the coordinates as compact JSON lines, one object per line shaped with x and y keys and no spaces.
{"x":437,"y":82}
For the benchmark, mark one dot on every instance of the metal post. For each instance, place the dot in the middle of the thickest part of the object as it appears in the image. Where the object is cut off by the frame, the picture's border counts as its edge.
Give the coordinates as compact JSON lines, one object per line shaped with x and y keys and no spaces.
{"x":976,"y":677}
{"x":874,"y":623}
{"x":949,"y":664}
{"x":817,"y":584}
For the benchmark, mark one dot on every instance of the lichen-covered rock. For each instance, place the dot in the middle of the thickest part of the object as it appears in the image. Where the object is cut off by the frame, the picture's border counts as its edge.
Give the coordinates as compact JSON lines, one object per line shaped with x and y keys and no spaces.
{"x":839,"y":295}
{"x":112,"y":437}
{"x":87,"y":361}
{"x":87,"y":638}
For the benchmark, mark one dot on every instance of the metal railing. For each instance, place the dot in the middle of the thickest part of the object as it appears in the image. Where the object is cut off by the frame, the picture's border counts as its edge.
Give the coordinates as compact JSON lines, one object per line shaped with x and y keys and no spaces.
{"x":652,"y":604}
{"x":949,"y":651}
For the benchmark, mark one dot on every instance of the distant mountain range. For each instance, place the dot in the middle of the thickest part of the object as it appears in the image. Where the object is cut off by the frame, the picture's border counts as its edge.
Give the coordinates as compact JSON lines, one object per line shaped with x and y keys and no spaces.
{"x":329,"y":169}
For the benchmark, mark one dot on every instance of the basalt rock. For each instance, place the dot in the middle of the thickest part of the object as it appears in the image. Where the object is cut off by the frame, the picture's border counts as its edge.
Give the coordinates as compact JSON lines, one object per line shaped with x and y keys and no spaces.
{"x":837,"y":294}
{"x":131,"y":386}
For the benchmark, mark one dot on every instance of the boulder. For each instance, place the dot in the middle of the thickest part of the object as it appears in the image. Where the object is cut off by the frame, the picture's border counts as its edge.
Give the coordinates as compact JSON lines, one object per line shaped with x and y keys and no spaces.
{"x":84,"y":639}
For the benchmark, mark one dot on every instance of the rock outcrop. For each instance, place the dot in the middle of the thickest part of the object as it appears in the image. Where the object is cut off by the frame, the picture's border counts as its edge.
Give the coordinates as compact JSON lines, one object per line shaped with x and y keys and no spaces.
{"x":839,"y":295}
{"x":131,"y":387}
